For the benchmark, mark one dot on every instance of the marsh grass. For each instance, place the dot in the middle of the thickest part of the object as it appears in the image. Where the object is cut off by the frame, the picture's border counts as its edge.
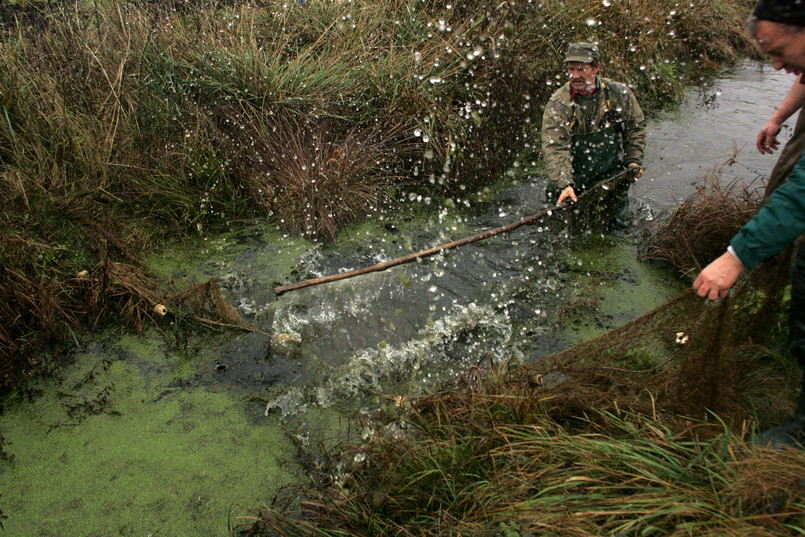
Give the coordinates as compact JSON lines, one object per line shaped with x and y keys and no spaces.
{"x":498,"y":455}
{"x":125,"y":122}
{"x":691,"y":235}
{"x":315,"y":181}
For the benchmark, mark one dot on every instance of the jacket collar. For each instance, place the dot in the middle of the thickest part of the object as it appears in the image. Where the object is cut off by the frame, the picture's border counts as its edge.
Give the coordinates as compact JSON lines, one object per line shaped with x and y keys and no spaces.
{"x":574,"y":92}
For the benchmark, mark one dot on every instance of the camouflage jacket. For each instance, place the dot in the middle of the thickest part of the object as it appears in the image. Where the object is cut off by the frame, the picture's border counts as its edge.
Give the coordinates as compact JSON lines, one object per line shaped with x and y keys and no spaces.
{"x":557,"y":131}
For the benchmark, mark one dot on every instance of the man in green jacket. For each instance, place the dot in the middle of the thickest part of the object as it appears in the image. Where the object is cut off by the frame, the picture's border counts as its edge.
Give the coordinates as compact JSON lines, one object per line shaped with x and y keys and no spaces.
{"x":592,"y":128}
{"x":779,"y":28}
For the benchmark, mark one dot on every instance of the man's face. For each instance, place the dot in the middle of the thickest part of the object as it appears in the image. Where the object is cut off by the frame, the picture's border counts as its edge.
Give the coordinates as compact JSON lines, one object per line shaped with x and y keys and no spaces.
{"x":582,"y":75}
{"x":786,"y":49}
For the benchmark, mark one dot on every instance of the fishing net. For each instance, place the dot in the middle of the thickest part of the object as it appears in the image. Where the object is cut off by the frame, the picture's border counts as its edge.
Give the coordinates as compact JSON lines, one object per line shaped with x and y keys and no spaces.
{"x":699,"y":352}
{"x":122,"y":282}
{"x":137,"y":292}
{"x":690,"y":358}
{"x":205,"y":303}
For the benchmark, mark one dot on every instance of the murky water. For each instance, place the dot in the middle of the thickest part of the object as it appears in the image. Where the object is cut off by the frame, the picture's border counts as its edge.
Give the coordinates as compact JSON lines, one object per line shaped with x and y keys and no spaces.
{"x":172,"y":433}
{"x":709,"y":128}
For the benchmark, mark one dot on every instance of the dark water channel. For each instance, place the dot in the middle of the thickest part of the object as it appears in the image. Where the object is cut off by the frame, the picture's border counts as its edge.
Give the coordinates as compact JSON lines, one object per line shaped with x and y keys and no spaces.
{"x":713,"y":123}
{"x":174,"y":432}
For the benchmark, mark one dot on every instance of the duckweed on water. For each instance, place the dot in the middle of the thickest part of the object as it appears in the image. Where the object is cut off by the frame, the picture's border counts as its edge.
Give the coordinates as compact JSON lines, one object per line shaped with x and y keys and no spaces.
{"x":276,"y":256}
{"x":610,"y":282}
{"x":150,"y":456}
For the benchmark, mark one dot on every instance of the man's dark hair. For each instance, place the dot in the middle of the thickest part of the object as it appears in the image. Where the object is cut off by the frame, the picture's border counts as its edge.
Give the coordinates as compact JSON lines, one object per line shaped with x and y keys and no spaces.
{"x":753,"y":20}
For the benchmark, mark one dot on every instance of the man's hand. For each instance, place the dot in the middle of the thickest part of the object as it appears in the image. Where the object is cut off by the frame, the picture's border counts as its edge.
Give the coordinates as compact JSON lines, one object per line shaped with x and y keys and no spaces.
{"x":715,"y":279}
{"x":568,"y":192}
{"x":640,"y":173}
{"x":767,"y":141}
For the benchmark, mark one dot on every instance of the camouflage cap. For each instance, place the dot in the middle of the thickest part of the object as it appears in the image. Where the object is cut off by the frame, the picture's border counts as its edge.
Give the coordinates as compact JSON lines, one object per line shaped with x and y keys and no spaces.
{"x":582,"y":52}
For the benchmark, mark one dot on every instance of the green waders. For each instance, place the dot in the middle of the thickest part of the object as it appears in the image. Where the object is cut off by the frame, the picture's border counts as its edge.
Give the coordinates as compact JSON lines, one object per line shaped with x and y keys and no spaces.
{"x":596,"y":156}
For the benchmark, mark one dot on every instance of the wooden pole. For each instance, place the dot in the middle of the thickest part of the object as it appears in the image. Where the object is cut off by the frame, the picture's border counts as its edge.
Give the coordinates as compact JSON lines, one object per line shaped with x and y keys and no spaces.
{"x":416,"y":255}
{"x":628,"y":174}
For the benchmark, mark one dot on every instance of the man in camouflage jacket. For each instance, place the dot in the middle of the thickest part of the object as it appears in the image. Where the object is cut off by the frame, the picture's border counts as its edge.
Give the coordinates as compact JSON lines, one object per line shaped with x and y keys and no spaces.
{"x":592,"y":128}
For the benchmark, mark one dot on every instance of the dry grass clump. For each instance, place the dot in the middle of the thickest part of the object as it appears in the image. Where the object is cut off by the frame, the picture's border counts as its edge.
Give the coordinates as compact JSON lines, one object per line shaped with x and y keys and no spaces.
{"x":32,"y":304}
{"x":690,"y":236}
{"x":311,"y":177}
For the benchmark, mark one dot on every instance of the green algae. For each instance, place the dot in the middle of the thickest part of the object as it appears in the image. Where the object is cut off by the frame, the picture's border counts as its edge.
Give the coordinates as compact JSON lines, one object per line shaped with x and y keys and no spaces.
{"x":156,"y":458}
{"x":259,"y":245}
{"x":402,"y":232}
{"x":613,"y":285}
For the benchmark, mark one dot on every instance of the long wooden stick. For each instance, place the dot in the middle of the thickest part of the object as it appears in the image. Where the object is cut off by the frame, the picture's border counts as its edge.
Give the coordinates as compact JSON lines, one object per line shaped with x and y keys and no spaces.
{"x":448,"y":246}
{"x":416,"y":255}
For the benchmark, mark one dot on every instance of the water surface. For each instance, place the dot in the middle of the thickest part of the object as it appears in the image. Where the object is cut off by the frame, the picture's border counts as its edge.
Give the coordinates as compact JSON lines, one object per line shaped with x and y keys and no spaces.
{"x":713,"y":124}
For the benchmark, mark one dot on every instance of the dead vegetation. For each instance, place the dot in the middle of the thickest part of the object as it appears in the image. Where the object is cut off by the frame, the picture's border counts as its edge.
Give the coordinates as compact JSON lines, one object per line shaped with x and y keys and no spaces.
{"x":692,"y":234}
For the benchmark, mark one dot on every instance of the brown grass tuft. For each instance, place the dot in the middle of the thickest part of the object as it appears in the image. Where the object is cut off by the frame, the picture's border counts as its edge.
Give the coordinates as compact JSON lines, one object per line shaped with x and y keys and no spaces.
{"x":315,"y":177}
{"x":691,"y":235}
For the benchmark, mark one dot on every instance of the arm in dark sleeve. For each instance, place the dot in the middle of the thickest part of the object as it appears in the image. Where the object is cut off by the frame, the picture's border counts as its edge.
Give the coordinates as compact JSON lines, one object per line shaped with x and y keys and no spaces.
{"x":777,"y":224}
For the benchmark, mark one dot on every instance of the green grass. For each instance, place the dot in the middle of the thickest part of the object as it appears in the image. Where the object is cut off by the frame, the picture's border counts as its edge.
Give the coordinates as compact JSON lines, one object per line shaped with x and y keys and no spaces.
{"x":501,"y":456}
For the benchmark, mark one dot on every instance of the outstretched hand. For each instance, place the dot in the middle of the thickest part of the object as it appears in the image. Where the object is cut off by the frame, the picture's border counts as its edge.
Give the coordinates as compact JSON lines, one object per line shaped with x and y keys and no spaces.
{"x":715,"y":279}
{"x":567,"y":193}
{"x":639,"y":173}
{"x":767,"y":141}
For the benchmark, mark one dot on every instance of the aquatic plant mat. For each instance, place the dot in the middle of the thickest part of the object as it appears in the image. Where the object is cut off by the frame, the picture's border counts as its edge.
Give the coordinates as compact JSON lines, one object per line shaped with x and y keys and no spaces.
{"x":642,"y":431}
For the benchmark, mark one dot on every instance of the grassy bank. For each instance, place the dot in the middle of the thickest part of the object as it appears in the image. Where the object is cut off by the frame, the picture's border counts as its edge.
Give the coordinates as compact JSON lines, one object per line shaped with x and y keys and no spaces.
{"x":125,"y":122}
{"x":501,"y":456}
